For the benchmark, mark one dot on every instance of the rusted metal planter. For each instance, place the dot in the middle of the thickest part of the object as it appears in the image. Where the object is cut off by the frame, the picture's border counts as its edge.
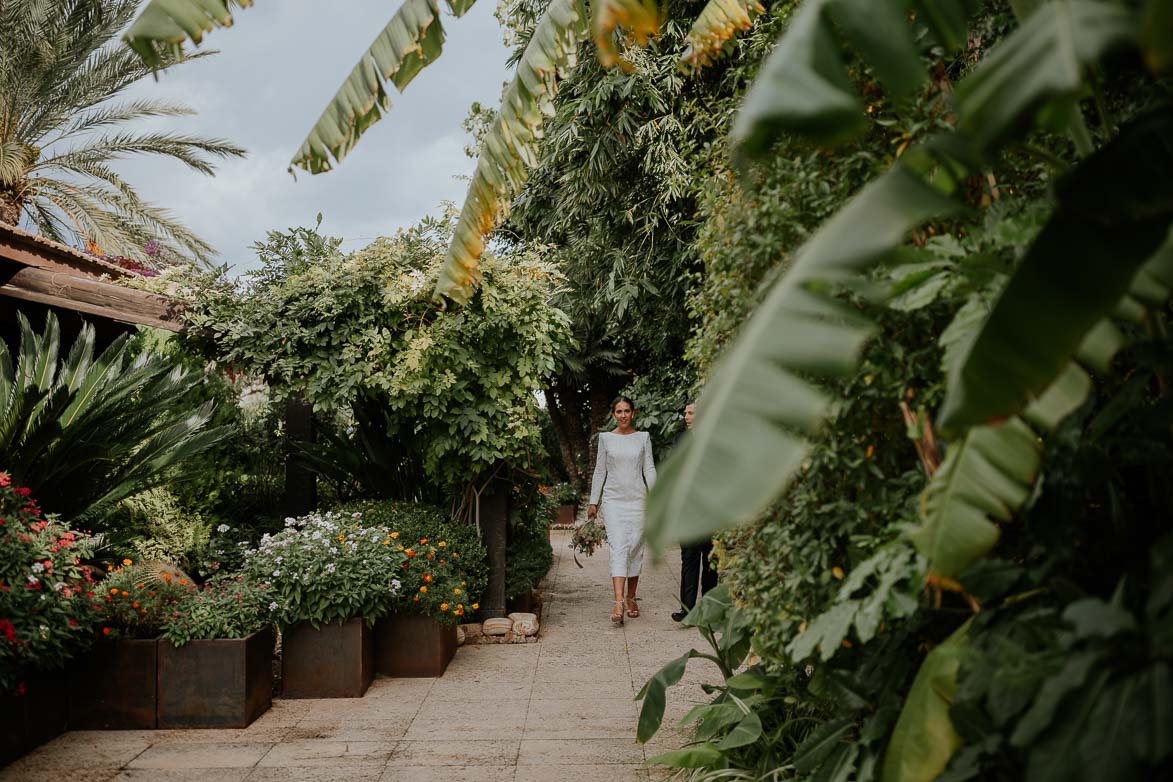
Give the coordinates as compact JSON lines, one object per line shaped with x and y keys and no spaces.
{"x":566,"y":514}
{"x":411,"y":645}
{"x":226,"y":683}
{"x":113,"y":687}
{"x":521,"y":604}
{"x":31,"y":719}
{"x":336,"y":660}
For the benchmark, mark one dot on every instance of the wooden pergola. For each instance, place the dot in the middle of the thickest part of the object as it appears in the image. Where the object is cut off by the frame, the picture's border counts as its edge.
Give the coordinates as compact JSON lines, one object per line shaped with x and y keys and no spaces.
{"x":38,"y":275}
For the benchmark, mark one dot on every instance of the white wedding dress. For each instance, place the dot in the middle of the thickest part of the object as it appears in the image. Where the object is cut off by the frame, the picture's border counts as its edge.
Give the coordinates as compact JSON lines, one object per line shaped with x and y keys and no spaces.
{"x":624,"y":472}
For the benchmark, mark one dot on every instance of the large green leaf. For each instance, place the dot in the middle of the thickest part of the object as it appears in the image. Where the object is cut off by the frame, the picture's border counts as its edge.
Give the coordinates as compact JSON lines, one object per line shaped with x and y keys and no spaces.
{"x":1037,"y":72}
{"x":654,"y":694}
{"x":924,"y":738}
{"x":1113,"y":214}
{"x":410,"y":41}
{"x":510,"y":146}
{"x":761,"y":407}
{"x":160,"y":30}
{"x":804,"y":86}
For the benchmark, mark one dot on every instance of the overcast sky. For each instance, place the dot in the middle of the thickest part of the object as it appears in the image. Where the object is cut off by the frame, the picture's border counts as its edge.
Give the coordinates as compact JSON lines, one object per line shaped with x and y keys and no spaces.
{"x":278,"y":67}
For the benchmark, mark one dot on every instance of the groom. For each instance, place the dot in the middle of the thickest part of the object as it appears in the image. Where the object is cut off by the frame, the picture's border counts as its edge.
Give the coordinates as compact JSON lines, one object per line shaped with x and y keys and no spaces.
{"x":694,"y":557}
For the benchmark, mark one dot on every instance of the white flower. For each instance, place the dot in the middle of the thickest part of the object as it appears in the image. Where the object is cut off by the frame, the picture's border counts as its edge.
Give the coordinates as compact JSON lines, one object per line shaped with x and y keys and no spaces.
{"x":44,"y":631}
{"x":33,"y":580}
{"x":316,"y":535}
{"x":395,"y":585}
{"x":330,"y":568}
{"x":223,"y":528}
{"x":276,"y":573}
{"x":290,"y":521}
{"x":38,"y":567}
{"x":59,"y":586}
{"x":273,"y":606}
{"x":356,"y":515}
{"x":280,"y":560}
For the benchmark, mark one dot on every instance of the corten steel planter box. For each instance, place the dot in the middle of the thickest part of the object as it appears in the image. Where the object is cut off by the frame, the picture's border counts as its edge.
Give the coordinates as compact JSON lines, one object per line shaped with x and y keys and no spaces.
{"x":29,"y":720}
{"x":521,"y":604}
{"x":566,"y":514}
{"x":335,"y":661}
{"x":410,"y":645}
{"x":114,"y":686}
{"x":226,"y":683}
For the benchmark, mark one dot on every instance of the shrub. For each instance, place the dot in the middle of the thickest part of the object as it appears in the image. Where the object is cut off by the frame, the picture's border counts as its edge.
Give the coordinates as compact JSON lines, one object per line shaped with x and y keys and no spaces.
{"x":412,"y":521}
{"x":225,"y":607}
{"x":44,"y":612}
{"x":328,"y":567}
{"x":528,"y":554}
{"x":157,"y":527}
{"x":134,"y":601}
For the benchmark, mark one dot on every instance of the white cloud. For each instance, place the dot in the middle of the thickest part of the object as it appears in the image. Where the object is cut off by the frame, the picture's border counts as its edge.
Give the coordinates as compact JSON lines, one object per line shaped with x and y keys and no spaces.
{"x":278,"y":67}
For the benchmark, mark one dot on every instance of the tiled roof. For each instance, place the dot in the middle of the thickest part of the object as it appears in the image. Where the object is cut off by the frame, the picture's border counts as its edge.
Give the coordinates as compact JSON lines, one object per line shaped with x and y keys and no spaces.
{"x":56,"y":253}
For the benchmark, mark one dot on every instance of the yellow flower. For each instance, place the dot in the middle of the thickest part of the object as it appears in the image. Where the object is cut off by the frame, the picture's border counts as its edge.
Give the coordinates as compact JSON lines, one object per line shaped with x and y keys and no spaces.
{"x":386,"y":543}
{"x":441,"y":544}
{"x":423,"y":589}
{"x":456,"y":591}
{"x":464,"y":583}
{"x":837,"y":572}
{"x":476,"y":606}
{"x":395,"y":534}
{"x":443,"y":606}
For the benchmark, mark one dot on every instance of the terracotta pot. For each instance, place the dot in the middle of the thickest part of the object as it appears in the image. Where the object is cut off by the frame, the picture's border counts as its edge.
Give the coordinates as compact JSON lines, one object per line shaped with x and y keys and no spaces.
{"x":336,"y":660}
{"x":566,"y":514}
{"x":37,"y":716}
{"x":225,"y":683}
{"x":114,"y":686}
{"x":410,"y":645}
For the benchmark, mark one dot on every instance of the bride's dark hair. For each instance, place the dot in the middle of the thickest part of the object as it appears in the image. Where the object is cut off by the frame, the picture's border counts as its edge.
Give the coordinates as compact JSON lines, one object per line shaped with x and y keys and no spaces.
{"x":622,"y":398}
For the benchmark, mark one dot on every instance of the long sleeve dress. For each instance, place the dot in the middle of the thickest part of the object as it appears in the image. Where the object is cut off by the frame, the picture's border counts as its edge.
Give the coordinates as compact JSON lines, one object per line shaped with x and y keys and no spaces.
{"x":624,"y":472}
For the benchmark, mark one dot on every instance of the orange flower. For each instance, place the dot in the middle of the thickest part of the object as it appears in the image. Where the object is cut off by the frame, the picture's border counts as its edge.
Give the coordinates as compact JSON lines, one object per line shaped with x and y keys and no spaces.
{"x":125,"y":593}
{"x":113,"y":591}
{"x":409,"y":553}
{"x":140,"y":586}
{"x":423,"y":589}
{"x":416,"y":599}
{"x":431,"y":555}
{"x":423,"y":541}
{"x":166,"y":576}
{"x":394,"y":535}
{"x":427,"y":578}
{"x":105,"y":631}
{"x":476,"y":606}
{"x":183,"y":582}
{"x":443,"y":606}
{"x":127,"y":562}
{"x":134,"y":604}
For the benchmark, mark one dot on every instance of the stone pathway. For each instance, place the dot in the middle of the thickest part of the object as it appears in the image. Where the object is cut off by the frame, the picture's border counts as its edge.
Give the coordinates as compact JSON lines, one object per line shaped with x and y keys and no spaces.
{"x":559,"y":710}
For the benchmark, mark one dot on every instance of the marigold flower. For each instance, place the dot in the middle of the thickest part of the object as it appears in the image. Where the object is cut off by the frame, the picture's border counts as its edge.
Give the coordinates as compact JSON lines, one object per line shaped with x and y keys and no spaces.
{"x":423,"y":589}
{"x":430,"y":556}
{"x":127,"y":562}
{"x":427,"y":578}
{"x":113,"y":591}
{"x":456,"y":591}
{"x":134,"y":604}
{"x":441,"y":544}
{"x":409,"y":553}
{"x":416,"y":599}
{"x":423,"y":541}
{"x":105,"y":631}
{"x":125,"y":593}
{"x":464,"y":583}
{"x":394,"y":535}
{"x":476,"y":606}
{"x":183,"y":582}
{"x":443,"y":606}
{"x":837,"y":572}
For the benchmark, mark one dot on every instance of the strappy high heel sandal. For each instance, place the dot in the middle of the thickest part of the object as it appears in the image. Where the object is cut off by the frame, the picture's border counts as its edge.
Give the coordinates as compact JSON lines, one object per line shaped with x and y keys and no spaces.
{"x":617,"y":616}
{"x":632,"y":608}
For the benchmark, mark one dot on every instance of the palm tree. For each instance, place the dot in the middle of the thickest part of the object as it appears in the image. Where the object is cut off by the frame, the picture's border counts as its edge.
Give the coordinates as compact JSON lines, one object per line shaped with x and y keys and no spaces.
{"x":61,"y":71}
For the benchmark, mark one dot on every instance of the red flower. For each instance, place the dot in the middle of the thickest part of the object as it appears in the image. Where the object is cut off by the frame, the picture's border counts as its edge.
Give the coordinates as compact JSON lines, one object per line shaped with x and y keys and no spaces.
{"x":21,"y":491}
{"x":21,"y":689}
{"x":8,"y":630}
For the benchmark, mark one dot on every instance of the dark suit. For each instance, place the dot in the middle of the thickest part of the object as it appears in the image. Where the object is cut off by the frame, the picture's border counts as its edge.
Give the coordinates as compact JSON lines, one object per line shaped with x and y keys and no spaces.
{"x":694,"y":557}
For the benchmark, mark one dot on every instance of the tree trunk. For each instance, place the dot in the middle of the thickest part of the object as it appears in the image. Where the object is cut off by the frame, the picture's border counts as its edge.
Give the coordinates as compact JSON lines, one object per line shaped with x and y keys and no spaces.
{"x":10,"y":208}
{"x":494,"y":515}
{"x":602,"y":391}
{"x":301,"y":485}
{"x":563,"y":403}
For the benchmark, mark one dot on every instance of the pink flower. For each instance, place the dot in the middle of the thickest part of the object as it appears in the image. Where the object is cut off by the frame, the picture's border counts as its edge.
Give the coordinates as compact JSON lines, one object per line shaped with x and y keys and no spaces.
{"x":5,"y":479}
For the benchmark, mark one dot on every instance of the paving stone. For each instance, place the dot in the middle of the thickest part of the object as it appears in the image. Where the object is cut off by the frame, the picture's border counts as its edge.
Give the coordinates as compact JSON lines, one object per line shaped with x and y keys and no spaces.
{"x":395,"y":773}
{"x":579,"y":752}
{"x":183,"y":775}
{"x":479,"y":753}
{"x":610,"y":773}
{"x":352,"y":771}
{"x":188,"y":756}
{"x":326,"y":752}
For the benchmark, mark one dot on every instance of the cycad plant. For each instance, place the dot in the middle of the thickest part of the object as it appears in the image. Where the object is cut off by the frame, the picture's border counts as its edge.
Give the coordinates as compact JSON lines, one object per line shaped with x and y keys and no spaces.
{"x":85,"y":431}
{"x":61,"y":129}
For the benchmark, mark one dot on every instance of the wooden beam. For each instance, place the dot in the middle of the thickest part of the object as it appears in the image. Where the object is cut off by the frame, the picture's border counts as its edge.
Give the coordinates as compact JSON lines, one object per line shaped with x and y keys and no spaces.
{"x":93,"y":297}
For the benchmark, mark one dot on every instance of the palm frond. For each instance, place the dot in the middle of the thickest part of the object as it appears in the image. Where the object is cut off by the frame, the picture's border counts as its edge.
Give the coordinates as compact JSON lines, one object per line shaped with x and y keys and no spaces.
{"x":160,"y":30}
{"x":641,"y":17}
{"x":718,"y":22}
{"x":510,"y":145}
{"x":411,"y":40}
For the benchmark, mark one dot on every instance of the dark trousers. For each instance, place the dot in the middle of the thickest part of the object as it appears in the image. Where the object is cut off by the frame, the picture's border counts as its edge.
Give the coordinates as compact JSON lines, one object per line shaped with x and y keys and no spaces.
{"x":692,"y":559}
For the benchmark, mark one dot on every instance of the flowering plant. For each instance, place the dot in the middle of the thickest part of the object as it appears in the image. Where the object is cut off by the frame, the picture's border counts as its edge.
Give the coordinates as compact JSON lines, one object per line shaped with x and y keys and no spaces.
{"x":563,"y":494}
{"x":134,"y":601}
{"x":328,"y":567}
{"x":587,"y":538}
{"x":225,"y":607}
{"x":445,"y":567}
{"x":44,"y":613}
